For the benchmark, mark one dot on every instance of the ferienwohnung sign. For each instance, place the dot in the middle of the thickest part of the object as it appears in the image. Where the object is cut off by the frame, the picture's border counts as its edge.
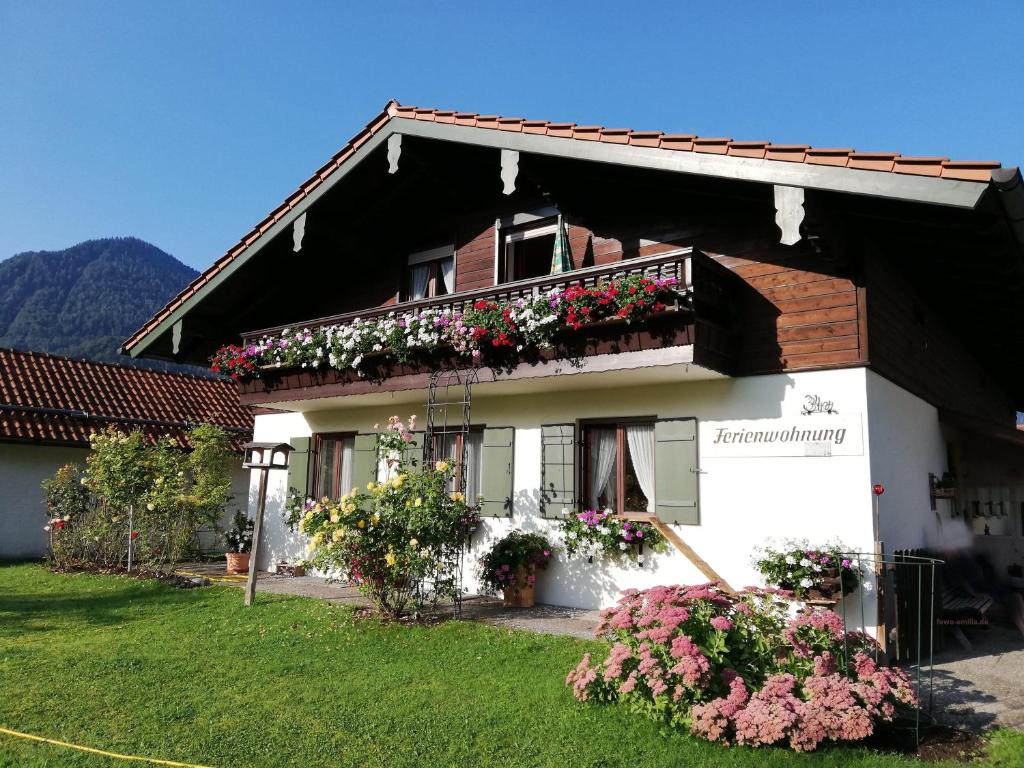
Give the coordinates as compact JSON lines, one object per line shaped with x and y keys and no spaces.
{"x":837,"y":435}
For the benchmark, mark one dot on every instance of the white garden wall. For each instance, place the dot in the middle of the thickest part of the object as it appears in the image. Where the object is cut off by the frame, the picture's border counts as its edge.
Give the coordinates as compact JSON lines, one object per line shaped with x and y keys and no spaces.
{"x":22,"y":509}
{"x":747,"y":496}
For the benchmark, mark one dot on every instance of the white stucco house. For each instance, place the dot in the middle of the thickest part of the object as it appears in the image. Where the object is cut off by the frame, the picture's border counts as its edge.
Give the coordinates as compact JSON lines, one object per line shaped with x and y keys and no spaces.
{"x":812,"y":352}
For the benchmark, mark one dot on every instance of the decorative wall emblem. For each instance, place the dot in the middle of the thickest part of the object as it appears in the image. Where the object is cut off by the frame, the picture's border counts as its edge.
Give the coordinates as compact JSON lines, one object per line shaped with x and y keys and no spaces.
{"x":816,"y":404}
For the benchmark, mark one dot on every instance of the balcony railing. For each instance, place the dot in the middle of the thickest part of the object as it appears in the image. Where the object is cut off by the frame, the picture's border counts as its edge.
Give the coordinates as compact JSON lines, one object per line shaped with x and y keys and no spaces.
{"x":674,"y":264}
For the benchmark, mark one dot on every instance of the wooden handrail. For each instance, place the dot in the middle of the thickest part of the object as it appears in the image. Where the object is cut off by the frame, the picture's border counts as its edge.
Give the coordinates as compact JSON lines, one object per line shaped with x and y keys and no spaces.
{"x":514,"y":290}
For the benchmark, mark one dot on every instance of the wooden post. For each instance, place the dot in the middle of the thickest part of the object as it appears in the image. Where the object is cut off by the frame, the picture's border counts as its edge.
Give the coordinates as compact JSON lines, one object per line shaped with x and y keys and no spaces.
{"x":261,"y":502}
{"x":676,"y":541}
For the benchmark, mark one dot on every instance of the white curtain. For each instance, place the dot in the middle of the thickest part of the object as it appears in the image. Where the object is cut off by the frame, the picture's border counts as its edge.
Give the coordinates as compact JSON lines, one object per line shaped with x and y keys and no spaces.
{"x":602,"y":467}
{"x":640,"y":439}
{"x":420,"y":280}
{"x":448,"y":274}
{"x":474,"y":444}
{"x":347,"y":455}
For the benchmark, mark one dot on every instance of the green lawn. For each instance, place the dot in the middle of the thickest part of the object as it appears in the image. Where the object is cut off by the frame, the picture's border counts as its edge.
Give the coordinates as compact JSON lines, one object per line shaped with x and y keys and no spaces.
{"x":136,"y":667}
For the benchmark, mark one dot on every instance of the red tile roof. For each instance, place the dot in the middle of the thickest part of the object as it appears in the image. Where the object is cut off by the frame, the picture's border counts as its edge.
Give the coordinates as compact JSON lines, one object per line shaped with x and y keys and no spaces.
{"x":969,"y":170}
{"x":57,"y":400}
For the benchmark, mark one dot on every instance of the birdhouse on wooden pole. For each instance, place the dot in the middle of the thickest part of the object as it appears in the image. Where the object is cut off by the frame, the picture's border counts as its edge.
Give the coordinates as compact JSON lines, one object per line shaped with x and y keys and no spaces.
{"x":263,"y":457}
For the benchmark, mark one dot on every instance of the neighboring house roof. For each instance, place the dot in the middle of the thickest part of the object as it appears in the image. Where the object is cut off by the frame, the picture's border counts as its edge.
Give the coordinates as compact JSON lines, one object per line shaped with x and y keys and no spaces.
{"x":60,"y":401}
{"x":773,"y":156}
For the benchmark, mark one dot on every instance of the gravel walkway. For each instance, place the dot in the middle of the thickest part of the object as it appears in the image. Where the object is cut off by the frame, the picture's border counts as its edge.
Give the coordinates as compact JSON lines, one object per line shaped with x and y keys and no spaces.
{"x":984,"y":687}
{"x":543,"y":619}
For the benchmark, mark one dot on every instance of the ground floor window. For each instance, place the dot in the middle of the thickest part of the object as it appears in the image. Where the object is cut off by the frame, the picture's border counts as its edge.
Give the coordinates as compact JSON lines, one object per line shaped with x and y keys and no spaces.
{"x":332,"y":474}
{"x":618,"y":465}
{"x":449,"y":445}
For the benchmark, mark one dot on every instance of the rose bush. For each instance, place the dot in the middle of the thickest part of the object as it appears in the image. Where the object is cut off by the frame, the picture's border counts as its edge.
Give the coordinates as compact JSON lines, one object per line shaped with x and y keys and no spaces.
{"x":167,"y":493}
{"x":591,"y":532}
{"x":485,"y":329}
{"x":740,"y":668}
{"x":398,"y":540}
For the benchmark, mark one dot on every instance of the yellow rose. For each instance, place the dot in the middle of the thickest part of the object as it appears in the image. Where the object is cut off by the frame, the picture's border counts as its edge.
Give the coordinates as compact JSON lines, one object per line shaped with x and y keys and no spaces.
{"x":390,"y":558}
{"x":370,"y":486}
{"x":376,"y":518}
{"x":413,"y":543}
{"x":151,"y":506}
{"x":335,"y":517}
{"x":338,"y":535}
{"x":442,"y":466}
{"x":457,"y":496}
{"x":418,"y":502}
{"x":397,"y":482}
{"x":361,"y":523}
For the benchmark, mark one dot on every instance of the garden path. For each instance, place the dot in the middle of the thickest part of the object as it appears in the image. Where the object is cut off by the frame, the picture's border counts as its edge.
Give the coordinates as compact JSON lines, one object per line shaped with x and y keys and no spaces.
{"x":544,"y":619}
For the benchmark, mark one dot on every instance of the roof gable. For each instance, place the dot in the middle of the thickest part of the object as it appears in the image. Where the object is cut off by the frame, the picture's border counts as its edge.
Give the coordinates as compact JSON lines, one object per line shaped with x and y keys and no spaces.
{"x":936,"y":180}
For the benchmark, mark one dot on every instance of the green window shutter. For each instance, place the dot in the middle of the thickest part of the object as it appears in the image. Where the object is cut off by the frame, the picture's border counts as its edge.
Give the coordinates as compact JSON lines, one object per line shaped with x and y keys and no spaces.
{"x":676,"y":472}
{"x":496,"y":461}
{"x":364,"y":461}
{"x":298,"y":465}
{"x":557,"y":469}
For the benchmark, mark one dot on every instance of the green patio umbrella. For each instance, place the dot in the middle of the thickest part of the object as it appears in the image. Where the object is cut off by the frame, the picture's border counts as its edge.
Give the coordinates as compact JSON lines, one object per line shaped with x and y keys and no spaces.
{"x":561,"y":256}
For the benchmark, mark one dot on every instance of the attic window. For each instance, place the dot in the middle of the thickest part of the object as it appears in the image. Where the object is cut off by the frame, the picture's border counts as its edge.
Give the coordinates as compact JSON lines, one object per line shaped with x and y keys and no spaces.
{"x":431,"y":273}
{"x":526,"y":251}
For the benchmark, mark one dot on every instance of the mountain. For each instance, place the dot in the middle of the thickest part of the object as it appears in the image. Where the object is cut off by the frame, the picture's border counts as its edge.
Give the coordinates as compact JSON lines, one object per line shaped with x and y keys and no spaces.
{"x":85,"y":300}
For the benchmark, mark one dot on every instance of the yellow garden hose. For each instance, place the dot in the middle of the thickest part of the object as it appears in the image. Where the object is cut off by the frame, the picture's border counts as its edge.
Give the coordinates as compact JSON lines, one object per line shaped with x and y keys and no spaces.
{"x":114,"y":755}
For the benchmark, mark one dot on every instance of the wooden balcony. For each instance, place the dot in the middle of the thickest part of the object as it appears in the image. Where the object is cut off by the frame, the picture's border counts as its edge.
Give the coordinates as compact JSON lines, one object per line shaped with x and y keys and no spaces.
{"x":701,"y":319}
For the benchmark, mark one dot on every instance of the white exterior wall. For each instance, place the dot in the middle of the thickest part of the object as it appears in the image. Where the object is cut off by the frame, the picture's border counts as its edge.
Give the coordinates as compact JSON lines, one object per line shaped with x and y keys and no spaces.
{"x":905,"y":443}
{"x":22,"y":506}
{"x":744,"y":502}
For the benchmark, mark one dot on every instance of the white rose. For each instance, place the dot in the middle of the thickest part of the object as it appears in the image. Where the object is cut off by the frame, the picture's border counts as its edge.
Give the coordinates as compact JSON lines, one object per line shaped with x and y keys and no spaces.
{"x":806,"y":582}
{"x":805,"y":562}
{"x":623,"y":545}
{"x":790,"y":560}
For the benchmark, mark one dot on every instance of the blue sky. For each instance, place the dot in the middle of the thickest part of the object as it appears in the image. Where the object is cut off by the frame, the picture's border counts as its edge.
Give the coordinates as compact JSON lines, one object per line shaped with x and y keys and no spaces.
{"x":184,"y":123}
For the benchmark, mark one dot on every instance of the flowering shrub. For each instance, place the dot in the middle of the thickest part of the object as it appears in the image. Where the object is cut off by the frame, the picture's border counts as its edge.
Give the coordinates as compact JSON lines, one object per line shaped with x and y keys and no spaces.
{"x":154,"y":494}
{"x":513,"y":562}
{"x":738,"y":668}
{"x":484,"y":329}
{"x":809,"y":571}
{"x":396,"y":537}
{"x":590,"y":532}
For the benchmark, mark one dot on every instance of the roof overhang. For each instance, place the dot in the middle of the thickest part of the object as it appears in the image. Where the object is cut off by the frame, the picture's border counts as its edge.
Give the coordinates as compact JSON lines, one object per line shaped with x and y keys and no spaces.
{"x":956,"y":193}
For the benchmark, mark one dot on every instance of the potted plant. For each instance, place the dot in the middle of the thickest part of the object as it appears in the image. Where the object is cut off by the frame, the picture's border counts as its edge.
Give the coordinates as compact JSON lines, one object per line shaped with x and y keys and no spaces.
{"x":511,"y":565}
{"x":239,"y":539}
{"x":822,"y":574}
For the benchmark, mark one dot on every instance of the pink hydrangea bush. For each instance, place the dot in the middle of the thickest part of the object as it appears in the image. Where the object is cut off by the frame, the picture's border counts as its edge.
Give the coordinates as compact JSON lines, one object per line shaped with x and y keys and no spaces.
{"x":740,"y":669}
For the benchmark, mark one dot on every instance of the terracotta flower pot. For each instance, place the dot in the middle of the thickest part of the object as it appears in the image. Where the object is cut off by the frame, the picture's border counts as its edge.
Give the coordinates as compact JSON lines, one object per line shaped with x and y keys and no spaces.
{"x":238,"y":562}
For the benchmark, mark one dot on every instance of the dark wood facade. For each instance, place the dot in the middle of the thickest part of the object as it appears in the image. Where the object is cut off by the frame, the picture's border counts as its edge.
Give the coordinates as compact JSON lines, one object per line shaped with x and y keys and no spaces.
{"x":857,"y":290}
